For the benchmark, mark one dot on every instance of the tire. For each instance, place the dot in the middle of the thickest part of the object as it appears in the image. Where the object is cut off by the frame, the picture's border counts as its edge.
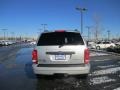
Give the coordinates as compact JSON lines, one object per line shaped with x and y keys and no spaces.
{"x":111,"y":46}
{"x":98,"y":47}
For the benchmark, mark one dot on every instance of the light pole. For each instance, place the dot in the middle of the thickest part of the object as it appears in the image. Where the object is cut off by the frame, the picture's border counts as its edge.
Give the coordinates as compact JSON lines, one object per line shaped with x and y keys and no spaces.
{"x":39,"y":30}
{"x":81,"y":11}
{"x":108,"y":34}
{"x":12,"y":35}
{"x":44,"y":26}
{"x":4,"y":30}
{"x":88,"y":27}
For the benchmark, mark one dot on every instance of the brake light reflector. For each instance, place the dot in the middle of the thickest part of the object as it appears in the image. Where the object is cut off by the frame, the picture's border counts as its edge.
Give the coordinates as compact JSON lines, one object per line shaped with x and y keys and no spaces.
{"x":86,"y":56}
{"x":34,"y":56}
{"x":60,"y":31}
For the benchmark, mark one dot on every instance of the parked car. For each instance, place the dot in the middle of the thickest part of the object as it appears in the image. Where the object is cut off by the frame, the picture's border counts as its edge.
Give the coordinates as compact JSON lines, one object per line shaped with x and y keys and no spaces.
{"x":10,"y":42}
{"x":4,"y":42}
{"x":1,"y":44}
{"x":33,"y":42}
{"x":61,"y":52}
{"x":118,"y":43}
{"x":91,"y":44}
{"x":104,"y":44}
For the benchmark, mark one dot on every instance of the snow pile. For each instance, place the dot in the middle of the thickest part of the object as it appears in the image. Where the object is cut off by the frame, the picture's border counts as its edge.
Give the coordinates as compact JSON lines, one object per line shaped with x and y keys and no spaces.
{"x":117,"y":88}
{"x":106,"y":71}
{"x":97,"y":54}
{"x":100,"y":80}
{"x":102,"y":60}
{"x":108,"y":66}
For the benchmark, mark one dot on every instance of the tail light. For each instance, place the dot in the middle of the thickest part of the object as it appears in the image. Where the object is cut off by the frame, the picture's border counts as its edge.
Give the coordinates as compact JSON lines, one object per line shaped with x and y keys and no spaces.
{"x":34,"y":56}
{"x":86,"y":56}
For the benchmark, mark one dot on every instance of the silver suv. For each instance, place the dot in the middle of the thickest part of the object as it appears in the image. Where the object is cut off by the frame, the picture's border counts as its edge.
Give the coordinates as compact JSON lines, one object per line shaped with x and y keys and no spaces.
{"x":61,"y":52}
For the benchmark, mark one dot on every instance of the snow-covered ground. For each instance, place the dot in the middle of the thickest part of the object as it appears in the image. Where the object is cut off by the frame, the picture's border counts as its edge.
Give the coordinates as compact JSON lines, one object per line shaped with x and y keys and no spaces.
{"x":98,"y":54}
{"x":106,"y":71}
{"x":102,"y":60}
{"x":108,"y":66}
{"x":117,"y":88}
{"x":100,"y":80}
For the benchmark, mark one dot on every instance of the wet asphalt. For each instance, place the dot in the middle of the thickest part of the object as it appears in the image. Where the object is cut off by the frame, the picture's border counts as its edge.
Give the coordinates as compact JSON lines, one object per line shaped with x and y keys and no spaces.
{"x":16,"y":73}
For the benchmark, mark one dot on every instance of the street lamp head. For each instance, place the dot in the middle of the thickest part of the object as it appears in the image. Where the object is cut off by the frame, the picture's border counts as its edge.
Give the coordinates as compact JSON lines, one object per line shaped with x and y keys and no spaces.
{"x":84,"y":9}
{"x":77,"y":8}
{"x":43,"y":24}
{"x":81,"y":9}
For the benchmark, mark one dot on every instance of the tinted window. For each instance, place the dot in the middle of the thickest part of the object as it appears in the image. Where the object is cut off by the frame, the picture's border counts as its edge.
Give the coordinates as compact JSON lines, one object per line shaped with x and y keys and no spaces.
{"x":98,"y":42}
{"x":106,"y":42}
{"x":60,"y":38}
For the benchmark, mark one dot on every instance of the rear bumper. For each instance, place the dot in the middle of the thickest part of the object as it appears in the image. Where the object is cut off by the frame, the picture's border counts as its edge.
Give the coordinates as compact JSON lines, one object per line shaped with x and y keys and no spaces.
{"x":61,"y":70}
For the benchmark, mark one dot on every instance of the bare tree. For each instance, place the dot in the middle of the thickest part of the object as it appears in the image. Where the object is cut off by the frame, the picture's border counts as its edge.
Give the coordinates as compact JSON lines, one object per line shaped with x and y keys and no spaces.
{"x":97,"y":27}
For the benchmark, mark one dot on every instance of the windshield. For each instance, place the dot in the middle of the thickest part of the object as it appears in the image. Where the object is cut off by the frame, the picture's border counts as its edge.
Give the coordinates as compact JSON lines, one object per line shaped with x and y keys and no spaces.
{"x":62,"y":38}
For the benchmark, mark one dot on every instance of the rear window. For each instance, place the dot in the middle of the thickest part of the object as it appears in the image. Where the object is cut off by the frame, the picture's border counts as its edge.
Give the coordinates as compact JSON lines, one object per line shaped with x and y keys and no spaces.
{"x":60,"y":38}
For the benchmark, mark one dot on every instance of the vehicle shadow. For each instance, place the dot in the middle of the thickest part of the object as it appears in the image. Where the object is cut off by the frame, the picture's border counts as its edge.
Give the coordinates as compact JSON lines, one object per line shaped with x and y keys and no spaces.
{"x":29,"y":70}
{"x":57,"y":82}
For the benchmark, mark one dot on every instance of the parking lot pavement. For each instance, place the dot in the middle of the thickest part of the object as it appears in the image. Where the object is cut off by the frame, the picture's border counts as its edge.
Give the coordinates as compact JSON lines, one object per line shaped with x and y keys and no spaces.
{"x":16,"y":73}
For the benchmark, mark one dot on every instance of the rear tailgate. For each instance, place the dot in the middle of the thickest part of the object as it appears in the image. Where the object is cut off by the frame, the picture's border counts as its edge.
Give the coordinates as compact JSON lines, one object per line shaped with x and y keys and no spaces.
{"x":67,"y":54}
